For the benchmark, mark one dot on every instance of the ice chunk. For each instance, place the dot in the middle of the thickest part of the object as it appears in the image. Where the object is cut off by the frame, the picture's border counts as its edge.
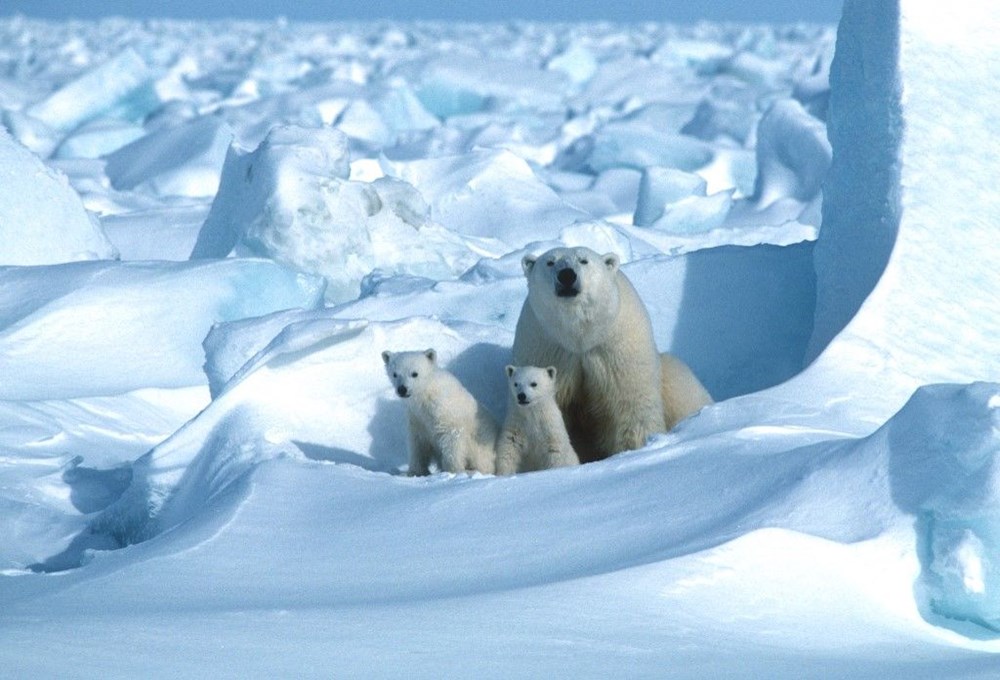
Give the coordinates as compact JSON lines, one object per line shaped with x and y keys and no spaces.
{"x":180,"y":161}
{"x":793,"y":154}
{"x":42,"y":220}
{"x":290,"y":200}
{"x":97,"y":138}
{"x":945,"y":451}
{"x":122,"y":83}
{"x":31,"y":132}
{"x":488,"y":193}
{"x":634,"y":146}
{"x":730,"y":110}
{"x":107,"y":328}
{"x":675,"y":202}
{"x":451,"y":85}
{"x":660,"y":187}
{"x":577,"y":62}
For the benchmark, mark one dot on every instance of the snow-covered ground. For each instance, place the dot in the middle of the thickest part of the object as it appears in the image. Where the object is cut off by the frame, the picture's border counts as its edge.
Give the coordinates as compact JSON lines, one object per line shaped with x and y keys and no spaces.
{"x":211,"y":231}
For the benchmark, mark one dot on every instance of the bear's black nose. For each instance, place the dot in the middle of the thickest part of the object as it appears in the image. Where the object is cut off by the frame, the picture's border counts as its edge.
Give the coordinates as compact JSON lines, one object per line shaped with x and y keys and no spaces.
{"x":522,"y":398}
{"x":566,"y":277}
{"x":401,"y":391}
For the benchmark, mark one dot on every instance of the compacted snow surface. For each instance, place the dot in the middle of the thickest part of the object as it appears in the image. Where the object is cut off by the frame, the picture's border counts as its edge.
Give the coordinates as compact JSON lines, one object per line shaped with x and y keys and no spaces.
{"x":211,"y":230}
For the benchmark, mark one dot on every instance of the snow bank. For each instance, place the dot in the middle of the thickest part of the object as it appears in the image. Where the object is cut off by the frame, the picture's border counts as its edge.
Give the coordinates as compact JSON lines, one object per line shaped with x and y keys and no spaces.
{"x":106,"y":328}
{"x":61,"y":232}
{"x":793,"y":154}
{"x":289,"y":398}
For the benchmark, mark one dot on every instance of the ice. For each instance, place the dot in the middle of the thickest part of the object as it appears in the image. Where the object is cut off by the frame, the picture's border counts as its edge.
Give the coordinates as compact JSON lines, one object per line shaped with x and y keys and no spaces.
{"x":487,"y":193}
{"x":793,"y":154}
{"x":113,"y":87}
{"x":631,"y":146}
{"x":42,"y":220}
{"x":97,"y":138}
{"x":884,"y":207}
{"x":453,"y":85}
{"x":945,"y":448}
{"x":577,"y":62}
{"x":291,"y":200}
{"x":661,"y":187}
{"x":57,"y":322}
{"x":185,"y":160}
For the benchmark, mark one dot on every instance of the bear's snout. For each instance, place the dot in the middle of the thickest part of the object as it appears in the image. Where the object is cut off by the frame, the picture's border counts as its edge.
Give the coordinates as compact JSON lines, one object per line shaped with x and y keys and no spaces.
{"x":402,"y":391}
{"x":522,"y":398}
{"x":566,"y":277}
{"x":567,"y":283}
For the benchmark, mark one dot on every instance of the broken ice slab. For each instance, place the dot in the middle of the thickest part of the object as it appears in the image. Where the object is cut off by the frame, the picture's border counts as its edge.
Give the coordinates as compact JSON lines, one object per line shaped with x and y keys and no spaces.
{"x":116,"y":84}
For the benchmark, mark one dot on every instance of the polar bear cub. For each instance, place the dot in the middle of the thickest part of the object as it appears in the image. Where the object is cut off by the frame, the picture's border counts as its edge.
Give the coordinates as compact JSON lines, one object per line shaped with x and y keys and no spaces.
{"x":446,"y":424}
{"x":533,"y":436}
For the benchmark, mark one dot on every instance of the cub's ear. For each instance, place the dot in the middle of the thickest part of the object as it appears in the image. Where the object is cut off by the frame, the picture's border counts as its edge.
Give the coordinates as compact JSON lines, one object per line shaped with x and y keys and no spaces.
{"x":386,"y":356}
{"x":528,"y":263}
{"x":509,"y":370}
{"x":431,"y":354}
{"x":551,"y":370}
{"x":611,"y":261}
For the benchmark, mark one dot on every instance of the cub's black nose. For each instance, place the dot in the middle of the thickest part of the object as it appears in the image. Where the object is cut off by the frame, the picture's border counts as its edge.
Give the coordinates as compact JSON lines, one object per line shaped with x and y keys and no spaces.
{"x":401,"y":391}
{"x":566,"y":277}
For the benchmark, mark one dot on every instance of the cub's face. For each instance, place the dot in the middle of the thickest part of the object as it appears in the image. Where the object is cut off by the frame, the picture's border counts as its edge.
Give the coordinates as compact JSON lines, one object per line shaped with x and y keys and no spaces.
{"x":409,"y":371}
{"x":528,"y":384}
{"x":567,"y":273}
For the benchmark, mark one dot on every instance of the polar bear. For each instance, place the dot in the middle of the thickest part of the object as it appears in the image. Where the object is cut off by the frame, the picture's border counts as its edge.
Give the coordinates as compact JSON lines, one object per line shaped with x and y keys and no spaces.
{"x":446,"y":424}
{"x":533,"y":435}
{"x":584,"y":317}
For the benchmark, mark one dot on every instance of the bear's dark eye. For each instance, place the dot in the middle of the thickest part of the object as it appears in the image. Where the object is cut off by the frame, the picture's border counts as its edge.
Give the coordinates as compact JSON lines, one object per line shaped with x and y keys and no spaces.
{"x":413,"y":375}
{"x":584,"y":261}
{"x":550,"y":263}
{"x":534,"y":384}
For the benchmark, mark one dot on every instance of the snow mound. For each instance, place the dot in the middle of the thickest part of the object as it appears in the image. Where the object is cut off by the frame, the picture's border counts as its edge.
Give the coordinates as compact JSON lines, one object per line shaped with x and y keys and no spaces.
{"x":62,"y":232}
{"x":57,"y":322}
{"x":288,"y":399}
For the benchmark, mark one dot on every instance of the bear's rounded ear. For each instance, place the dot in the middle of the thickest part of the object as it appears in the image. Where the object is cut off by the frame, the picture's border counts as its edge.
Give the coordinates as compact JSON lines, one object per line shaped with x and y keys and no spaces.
{"x":386,"y":355}
{"x":509,"y":370}
{"x":611,"y":261}
{"x":431,"y":355}
{"x":551,"y":370}
{"x":528,"y":263}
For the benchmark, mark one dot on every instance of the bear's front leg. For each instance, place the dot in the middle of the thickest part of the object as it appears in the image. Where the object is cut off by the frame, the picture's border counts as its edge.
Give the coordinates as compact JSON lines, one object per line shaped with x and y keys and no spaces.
{"x":507,"y":455}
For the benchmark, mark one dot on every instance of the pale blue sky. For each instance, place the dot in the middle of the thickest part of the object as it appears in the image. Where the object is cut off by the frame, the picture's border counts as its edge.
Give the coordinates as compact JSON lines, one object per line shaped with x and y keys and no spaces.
{"x":827,"y":11}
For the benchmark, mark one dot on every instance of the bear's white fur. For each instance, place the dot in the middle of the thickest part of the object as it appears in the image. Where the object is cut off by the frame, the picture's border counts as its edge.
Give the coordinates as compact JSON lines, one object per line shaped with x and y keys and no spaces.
{"x":584,"y":317}
{"x":533,"y":436}
{"x":446,"y":424}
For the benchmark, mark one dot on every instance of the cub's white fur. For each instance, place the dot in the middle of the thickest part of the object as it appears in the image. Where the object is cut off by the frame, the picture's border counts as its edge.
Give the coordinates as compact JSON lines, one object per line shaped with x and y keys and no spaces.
{"x":446,"y":424}
{"x":533,"y":436}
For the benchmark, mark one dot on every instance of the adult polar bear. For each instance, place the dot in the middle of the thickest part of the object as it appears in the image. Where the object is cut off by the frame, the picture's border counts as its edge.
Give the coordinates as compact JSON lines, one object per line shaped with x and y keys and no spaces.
{"x":583,"y":316}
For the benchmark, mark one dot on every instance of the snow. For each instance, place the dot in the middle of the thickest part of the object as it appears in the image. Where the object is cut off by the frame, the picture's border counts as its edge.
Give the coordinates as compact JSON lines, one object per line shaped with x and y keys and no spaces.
{"x":202,"y":463}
